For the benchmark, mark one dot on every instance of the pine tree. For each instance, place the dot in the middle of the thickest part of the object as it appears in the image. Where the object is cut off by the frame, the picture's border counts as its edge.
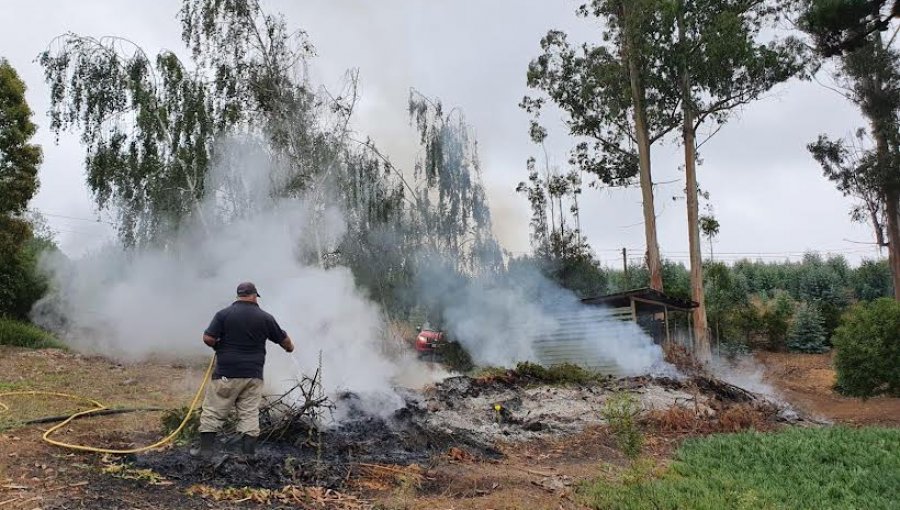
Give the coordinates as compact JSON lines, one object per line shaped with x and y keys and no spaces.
{"x":807,"y":332}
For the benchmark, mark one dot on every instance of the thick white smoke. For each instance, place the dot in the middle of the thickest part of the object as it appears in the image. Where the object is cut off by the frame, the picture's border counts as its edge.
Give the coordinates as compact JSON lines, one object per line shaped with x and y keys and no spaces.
{"x":155,"y":303}
{"x":523,"y":316}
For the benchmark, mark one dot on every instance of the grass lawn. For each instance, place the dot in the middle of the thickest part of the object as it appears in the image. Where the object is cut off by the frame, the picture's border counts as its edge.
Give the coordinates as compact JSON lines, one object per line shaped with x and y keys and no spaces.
{"x":21,"y":334}
{"x":821,"y":468}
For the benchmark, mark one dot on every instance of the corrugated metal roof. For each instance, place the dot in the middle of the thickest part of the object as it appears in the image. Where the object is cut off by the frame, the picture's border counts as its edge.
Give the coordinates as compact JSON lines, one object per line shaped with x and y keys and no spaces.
{"x":620,"y":299}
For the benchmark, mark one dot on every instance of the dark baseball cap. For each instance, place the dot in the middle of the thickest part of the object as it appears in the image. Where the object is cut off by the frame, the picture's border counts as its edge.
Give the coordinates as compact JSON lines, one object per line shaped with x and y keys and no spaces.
{"x":247,"y":289}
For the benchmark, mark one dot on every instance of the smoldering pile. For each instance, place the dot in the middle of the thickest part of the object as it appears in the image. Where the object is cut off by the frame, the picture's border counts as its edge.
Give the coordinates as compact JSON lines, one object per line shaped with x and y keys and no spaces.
{"x":475,"y":415}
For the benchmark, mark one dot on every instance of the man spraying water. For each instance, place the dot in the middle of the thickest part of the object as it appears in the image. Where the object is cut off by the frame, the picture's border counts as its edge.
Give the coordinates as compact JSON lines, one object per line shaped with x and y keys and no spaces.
{"x":238,"y":334}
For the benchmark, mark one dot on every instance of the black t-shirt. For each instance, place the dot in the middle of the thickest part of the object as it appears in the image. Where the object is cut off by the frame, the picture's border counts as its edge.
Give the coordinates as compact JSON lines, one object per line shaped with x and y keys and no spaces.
{"x":242,"y":330}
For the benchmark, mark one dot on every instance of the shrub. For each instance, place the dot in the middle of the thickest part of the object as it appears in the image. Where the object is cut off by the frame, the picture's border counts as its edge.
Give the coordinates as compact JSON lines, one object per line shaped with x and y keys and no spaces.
{"x":621,"y":412}
{"x":867,"y":350}
{"x":807,"y":333}
{"x":172,"y":419}
{"x":21,"y":334}
{"x":455,"y":356}
{"x":564,"y":373}
{"x":22,"y":283}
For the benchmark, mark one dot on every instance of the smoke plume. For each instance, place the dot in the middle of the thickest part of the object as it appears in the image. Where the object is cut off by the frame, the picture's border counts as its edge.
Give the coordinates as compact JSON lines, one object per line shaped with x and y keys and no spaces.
{"x":155,"y":303}
{"x":502,"y":319}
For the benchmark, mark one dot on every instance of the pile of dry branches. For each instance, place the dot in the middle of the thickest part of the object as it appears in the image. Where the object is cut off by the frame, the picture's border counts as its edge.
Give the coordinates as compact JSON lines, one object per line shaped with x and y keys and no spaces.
{"x":295,"y":416}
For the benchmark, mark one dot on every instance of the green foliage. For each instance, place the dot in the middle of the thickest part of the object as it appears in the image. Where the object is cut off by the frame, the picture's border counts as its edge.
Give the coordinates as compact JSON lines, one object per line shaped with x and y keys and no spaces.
{"x":150,"y":124}
{"x":777,"y":320}
{"x":578,"y":272}
{"x":839,"y":26}
{"x":21,"y":334}
{"x":456,"y":357}
{"x":872,"y":280}
{"x":621,"y":412}
{"x":798,"y":468}
{"x":19,"y":159}
{"x":154,"y":127}
{"x":20,"y":283}
{"x":172,"y":419}
{"x":739,"y":296}
{"x":451,"y":212}
{"x":562,"y":374}
{"x":868,"y":71}
{"x":716,"y":50}
{"x":807,"y":332}
{"x":867,"y":349}
{"x":752,"y":304}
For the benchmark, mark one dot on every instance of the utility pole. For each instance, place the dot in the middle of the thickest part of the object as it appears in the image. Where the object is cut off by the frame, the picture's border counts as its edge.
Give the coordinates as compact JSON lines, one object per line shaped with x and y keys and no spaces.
{"x":625,"y":262}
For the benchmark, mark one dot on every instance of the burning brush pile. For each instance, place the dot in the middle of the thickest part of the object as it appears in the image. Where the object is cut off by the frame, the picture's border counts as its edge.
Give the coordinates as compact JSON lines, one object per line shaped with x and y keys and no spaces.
{"x":303,"y":445}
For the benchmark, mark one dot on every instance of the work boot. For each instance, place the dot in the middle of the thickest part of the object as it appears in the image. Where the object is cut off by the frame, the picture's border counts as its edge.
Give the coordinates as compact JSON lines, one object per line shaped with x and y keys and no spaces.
{"x":207,"y":446}
{"x":248,"y":446}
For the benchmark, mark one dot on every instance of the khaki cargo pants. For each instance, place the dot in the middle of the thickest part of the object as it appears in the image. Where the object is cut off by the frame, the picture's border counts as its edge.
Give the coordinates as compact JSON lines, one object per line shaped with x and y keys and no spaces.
{"x":224,"y":395}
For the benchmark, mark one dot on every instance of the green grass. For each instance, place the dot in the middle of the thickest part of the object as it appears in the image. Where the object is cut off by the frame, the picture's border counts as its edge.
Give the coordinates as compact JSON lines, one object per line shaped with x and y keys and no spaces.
{"x":825,"y":468}
{"x":21,"y":334}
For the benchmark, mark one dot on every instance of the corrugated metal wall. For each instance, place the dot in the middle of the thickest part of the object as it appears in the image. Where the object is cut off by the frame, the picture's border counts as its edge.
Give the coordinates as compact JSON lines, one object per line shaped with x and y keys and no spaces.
{"x":584,"y":338}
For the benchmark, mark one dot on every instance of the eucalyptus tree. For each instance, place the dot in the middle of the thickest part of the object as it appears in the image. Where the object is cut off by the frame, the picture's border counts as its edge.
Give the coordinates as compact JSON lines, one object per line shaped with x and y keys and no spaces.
{"x":849,"y":163}
{"x":719,"y":62}
{"x":615,"y":100}
{"x":869,"y":76}
{"x":840,"y":26}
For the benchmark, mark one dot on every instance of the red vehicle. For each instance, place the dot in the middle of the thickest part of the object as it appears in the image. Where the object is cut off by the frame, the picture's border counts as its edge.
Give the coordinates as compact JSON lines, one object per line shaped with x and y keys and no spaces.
{"x":428,"y":340}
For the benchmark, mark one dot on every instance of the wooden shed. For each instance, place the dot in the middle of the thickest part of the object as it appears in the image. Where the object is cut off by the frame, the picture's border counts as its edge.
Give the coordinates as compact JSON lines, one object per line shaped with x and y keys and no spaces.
{"x":651,"y":309}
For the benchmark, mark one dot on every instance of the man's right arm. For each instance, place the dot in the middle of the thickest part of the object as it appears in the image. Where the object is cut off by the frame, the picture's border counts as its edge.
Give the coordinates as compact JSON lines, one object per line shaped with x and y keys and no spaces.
{"x":214,"y":332}
{"x":210,"y":340}
{"x":287,"y":344}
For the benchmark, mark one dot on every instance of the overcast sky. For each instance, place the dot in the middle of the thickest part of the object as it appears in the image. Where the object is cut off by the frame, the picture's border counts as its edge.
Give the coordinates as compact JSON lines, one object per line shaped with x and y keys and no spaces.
{"x":767,"y":192}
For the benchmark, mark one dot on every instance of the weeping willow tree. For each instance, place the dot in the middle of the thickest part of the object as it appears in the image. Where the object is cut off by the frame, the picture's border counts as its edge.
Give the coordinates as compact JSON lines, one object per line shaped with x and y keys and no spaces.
{"x":168,"y":142}
{"x":451,"y":216}
{"x":150,"y":125}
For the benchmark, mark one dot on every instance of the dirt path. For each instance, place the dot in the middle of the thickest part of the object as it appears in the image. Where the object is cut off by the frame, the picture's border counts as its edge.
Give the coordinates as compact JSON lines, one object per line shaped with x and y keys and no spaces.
{"x":806,"y":380}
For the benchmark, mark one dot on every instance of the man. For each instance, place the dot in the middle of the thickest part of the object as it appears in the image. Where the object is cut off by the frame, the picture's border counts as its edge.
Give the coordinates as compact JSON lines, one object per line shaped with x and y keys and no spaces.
{"x":238,"y":334}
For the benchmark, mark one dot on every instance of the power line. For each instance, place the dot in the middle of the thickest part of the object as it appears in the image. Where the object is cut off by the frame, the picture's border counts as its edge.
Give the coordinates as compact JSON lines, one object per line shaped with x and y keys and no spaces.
{"x":95,"y":220}
{"x":94,"y":234}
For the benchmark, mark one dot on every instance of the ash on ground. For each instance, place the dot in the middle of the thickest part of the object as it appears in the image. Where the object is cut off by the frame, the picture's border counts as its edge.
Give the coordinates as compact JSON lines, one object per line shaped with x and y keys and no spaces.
{"x":475,"y":415}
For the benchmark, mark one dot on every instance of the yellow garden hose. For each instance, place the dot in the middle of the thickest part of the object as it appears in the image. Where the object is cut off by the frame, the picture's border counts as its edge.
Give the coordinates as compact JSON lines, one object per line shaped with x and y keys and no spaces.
{"x":98,"y":406}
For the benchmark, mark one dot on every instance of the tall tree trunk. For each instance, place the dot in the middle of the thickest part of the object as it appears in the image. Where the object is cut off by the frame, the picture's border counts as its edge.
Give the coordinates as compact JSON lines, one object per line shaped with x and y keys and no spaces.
{"x":702,"y":350}
{"x":892,"y":210}
{"x":642,"y":136}
{"x":701,"y":338}
{"x":881,"y":126}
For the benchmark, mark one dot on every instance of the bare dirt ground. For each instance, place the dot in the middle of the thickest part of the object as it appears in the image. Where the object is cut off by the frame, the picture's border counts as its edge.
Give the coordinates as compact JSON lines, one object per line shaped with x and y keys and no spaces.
{"x":807,"y":380}
{"x":542,"y":473}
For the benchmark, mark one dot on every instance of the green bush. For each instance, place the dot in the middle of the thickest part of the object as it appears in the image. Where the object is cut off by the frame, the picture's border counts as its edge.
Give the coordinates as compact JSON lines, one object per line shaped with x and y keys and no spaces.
{"x":798,"y":468}
{"x":807,"y":333}
{"x":172,"y":419}
{"x":455,"y":356}
{"x":867,"y":349}
{"x":564,"y":373}
{"x":621,"y":413}
{"x":21,"y":334}
{"x":22,"y":282}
